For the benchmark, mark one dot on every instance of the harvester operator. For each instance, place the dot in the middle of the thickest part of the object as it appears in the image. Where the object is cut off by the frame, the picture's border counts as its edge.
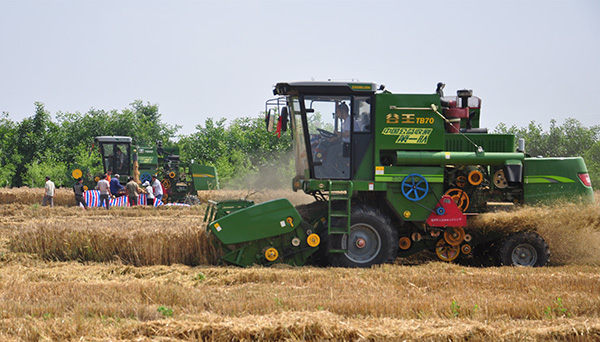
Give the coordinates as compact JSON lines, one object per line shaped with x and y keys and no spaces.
{"x":339,"y":150}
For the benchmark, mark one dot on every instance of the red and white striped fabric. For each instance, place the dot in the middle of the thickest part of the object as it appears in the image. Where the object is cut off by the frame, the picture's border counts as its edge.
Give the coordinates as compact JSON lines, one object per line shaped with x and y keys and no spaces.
{"x":143,"y":199}
{"x":120,"y":201}
{"x":92,"y":199}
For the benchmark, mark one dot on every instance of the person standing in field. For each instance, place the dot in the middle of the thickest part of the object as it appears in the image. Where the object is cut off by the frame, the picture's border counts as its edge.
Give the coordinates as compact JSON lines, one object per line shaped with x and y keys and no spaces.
{"x":48,"y":192}
{"x":157,"y":188}
{"x":132,"y":189}
{"x":78,"y":189}
{"x":104,"y":188}
{"x":149,"y":192}
{"x":116,"y":189}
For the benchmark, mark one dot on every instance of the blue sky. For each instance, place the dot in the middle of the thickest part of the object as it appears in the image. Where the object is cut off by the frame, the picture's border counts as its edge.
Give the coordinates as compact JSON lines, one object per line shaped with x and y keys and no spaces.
{"x":527,"y":60}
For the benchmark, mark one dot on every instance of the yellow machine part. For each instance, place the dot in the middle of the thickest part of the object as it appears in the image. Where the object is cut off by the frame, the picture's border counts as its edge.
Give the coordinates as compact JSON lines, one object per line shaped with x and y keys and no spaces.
{"x":460,"y":197}
{"x":475,"y":177}
{"x":271,"y":254}
{"x":313,"y":240}
{"x":454,"y":236}
{"x":404,"y":243}
{"x":446,"y":252}
{"x":77,"y":173}
{"x":465,"y":249}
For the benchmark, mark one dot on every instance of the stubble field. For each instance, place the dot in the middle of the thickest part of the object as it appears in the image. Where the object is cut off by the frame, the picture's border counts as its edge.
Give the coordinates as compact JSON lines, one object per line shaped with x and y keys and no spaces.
{"x":149,"y":274}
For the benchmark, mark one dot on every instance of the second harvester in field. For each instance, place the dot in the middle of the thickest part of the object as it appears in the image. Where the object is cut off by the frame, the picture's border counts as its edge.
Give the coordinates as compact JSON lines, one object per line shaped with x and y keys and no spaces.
{"x":180,"y":181}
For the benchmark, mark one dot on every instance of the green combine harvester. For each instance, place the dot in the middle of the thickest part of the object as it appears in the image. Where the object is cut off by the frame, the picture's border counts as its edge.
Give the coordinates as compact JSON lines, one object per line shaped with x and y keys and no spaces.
{"x":392,"y":175}
{"x":181,"y":181}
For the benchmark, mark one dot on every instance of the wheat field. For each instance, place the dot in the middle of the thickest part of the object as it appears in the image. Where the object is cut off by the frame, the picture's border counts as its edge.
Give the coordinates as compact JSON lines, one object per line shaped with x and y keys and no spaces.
{"x":149,"y":274}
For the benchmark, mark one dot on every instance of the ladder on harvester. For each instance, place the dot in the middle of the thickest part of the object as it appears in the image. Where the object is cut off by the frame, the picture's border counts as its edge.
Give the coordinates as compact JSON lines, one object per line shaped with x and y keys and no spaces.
{"x":338,"y":216}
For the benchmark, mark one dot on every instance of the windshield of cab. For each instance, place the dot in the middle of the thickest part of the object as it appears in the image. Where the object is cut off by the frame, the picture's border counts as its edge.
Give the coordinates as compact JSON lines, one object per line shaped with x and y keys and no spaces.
{"x":328,"y":119}
{"x":298,"y":137}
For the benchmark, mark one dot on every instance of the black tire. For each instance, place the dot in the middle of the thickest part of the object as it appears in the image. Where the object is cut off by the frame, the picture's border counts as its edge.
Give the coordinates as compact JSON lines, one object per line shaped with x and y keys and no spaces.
{"x":524,"y":249}
{"x":373,"y":229}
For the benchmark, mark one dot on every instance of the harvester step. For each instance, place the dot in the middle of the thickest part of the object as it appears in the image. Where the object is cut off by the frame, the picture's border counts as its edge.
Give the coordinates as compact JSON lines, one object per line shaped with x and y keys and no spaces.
{"x":338,"y":230}
{"x":339,"y":214}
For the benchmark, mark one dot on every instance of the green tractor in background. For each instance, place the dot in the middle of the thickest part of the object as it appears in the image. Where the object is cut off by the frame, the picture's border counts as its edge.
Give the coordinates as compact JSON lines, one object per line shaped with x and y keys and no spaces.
{"x":180,"y":181}
{"x":392,"y":175}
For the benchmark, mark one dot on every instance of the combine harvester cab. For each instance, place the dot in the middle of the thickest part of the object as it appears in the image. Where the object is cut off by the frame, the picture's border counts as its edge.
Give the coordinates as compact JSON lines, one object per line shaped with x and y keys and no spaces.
{"x":402,"y":173}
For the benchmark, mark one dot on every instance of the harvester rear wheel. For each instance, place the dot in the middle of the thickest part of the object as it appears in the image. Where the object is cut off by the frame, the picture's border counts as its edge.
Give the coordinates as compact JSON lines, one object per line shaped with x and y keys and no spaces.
{"x":372,"y":240}
{"x":524,"y":249}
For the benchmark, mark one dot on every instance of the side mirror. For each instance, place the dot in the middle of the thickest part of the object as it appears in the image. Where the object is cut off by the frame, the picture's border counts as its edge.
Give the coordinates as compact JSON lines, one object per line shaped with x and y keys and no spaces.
{"x":270,"y":119}
{"x":284,"y":119}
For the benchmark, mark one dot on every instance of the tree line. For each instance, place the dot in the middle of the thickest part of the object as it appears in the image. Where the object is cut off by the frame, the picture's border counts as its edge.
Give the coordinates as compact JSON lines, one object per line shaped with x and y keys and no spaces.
{"x":38,"y":145}
{"x":240,"y":149}
{"x":571,"y":139}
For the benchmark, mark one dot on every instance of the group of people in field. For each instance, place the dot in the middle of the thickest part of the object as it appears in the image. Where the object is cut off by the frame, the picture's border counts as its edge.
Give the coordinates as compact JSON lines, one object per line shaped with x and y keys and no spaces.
{"x":110,"y":187}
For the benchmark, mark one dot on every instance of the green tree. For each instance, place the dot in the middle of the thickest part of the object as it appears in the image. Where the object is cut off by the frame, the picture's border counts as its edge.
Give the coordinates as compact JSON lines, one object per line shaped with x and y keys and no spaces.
{"x":569,"y":139}
{"x":31,"y":141}
{"x":240,"y":151}
{"x":572,"y":138}
{"x":37,"y":171}
{"x":207,"y":144}
{"x":9,"y":156}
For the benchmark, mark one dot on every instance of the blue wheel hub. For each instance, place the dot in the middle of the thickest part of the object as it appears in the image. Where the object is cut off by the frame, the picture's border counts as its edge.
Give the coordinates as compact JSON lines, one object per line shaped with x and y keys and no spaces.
{"x":415,"y":187}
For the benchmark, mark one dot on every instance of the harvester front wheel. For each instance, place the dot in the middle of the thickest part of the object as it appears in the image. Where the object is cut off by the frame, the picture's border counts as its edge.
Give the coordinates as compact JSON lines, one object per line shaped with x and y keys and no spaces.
{"x":524,"y":249}
{"x":372,"y":240}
